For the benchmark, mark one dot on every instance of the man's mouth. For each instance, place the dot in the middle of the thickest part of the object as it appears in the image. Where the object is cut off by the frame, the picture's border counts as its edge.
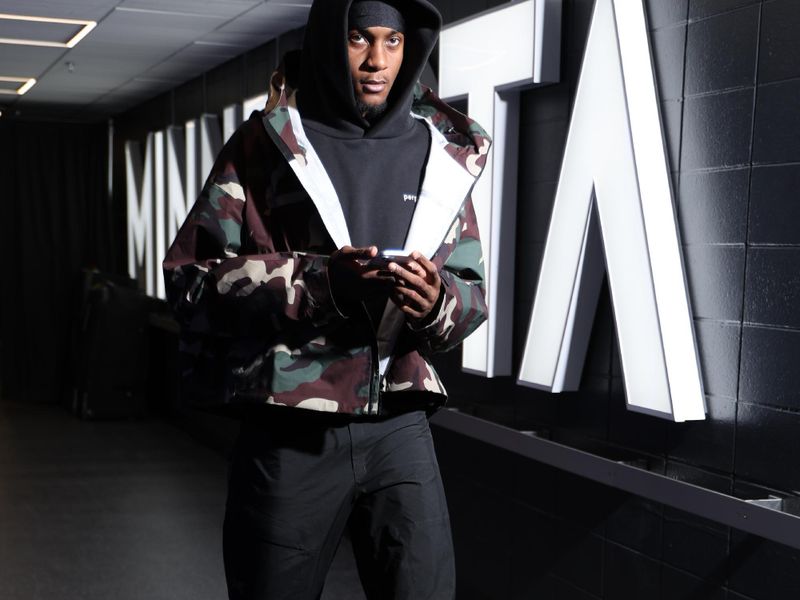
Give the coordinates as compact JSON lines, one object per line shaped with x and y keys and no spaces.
{"x":373,"y":86}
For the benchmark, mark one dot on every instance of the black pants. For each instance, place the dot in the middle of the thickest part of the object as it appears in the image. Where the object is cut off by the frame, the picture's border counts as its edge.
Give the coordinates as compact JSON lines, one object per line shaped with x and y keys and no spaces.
{"x":297,"y":481}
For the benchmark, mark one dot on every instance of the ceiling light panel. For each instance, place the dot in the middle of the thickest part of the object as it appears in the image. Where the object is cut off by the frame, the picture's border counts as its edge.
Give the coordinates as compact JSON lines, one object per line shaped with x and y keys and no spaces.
{"x":9,"y":85}
{"x":32,"y":30}
{"x":22,"y":30}
{"x":16,"y":86}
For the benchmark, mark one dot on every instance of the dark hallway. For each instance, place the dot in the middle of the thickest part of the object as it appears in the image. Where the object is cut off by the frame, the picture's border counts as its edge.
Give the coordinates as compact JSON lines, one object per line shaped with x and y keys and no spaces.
{"x":113,"y":509}
{"x":92,"y":510}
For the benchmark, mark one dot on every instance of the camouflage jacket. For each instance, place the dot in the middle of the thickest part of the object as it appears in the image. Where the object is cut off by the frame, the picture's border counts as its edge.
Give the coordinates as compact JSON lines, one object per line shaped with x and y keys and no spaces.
{"x":247,"y":273}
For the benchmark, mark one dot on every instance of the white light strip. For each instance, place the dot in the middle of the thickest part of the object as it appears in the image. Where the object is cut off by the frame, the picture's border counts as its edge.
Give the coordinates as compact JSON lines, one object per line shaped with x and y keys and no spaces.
{"x":26,"y":86}
{"x":87,"y":27}
{"x":81,"y":34}
{"x":27,"y":83}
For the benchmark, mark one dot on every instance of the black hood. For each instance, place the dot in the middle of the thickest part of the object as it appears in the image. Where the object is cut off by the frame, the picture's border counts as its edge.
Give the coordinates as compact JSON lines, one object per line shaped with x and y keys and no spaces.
{"x":326,"y":98}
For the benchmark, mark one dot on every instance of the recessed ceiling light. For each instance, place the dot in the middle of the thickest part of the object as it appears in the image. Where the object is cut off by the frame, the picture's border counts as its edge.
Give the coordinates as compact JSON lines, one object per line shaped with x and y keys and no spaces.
{"x":27,"y":83}
{"x":71,"y":43}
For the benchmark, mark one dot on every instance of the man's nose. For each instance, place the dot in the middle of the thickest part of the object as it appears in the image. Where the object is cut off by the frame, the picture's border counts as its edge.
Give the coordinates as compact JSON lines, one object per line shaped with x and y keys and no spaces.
{"x":376,"y":59}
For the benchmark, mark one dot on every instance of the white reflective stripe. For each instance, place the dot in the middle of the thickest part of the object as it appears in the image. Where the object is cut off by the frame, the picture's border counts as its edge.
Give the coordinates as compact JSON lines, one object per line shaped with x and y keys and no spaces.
{"x":445,"y":187}
{"x":317,"y":183}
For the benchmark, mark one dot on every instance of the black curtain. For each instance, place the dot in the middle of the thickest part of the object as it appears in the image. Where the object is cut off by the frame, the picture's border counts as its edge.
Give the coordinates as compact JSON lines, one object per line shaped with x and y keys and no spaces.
{"x":56,"y":219}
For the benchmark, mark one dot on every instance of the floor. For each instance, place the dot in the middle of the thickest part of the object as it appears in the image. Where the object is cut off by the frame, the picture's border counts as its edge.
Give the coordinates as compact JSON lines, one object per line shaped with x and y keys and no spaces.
{"x":118,"y":509}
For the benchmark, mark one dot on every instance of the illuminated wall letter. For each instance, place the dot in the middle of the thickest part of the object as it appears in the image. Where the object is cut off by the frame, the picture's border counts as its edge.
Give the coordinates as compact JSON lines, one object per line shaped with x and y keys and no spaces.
{"x":178,"y":199}
{"x":233,"y":116}
{"x":139,"y":178}
{"x":193,"y":181}
{"x":231,"y":119}
{"x":147,"y":209}
{"x":209,"y":144}
{"x":614,"y":197}
{"x":491,"y":75}
{"x":254,"y":103}
{"x":162,"y":188}
{"x":160,"y":215}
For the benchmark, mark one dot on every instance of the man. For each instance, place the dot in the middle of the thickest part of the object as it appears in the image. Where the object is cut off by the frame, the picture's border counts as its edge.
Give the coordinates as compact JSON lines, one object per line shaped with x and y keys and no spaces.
{"x":290,"y":320}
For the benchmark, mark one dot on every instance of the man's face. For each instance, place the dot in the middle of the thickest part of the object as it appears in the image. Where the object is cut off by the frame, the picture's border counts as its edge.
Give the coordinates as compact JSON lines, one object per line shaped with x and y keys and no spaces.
{"x":376,"y":54}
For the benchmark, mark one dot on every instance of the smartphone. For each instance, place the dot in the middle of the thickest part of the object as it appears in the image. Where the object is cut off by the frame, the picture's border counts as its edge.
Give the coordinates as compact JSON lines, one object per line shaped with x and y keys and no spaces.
{"x":386,"y":256}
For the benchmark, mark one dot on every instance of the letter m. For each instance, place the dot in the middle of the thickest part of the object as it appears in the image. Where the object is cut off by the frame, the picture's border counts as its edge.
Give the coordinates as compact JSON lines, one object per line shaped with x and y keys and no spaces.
{"x":140,"y":213}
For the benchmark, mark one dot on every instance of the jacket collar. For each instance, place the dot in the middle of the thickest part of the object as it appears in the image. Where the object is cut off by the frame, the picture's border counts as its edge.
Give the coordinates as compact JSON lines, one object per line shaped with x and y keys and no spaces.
{"x":466,"y":141}
{"x":458,"y":155}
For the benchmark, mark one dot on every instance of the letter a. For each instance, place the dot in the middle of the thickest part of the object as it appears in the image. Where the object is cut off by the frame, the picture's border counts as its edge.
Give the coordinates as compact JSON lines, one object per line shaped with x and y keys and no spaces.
{"x":614,"y":200}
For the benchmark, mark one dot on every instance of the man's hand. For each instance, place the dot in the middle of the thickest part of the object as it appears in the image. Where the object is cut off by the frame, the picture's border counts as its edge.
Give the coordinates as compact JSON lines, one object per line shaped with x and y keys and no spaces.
{"x":352,"y":279}
{"x":418,"y":286}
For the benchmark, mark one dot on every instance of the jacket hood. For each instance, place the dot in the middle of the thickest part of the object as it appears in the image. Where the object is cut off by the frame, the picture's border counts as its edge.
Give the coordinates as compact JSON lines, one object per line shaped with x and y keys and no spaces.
{"x":326,"y":98}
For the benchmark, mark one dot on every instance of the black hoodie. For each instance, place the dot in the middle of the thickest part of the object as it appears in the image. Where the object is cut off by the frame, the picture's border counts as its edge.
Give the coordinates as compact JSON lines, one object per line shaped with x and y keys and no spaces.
{"x":376,"y":169}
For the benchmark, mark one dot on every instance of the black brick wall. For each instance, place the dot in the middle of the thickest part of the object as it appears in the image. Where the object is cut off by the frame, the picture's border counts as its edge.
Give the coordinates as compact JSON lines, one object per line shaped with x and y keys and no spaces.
{"x":729,"y":82}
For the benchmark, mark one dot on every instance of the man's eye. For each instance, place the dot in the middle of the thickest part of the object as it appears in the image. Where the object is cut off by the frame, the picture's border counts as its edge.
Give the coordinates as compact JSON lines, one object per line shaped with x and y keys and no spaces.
{"x":395,"y":41}
{"x":356,"y":38}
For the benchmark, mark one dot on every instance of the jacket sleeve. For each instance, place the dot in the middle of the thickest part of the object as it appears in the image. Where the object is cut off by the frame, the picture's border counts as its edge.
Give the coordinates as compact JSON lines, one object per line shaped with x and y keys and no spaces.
{"x":462,"y":305}
{"x":215,"y":288}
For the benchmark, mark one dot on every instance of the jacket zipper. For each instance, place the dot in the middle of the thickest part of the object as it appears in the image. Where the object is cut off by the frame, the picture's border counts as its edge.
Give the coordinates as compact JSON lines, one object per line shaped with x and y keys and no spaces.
{"x":374,"y":384}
